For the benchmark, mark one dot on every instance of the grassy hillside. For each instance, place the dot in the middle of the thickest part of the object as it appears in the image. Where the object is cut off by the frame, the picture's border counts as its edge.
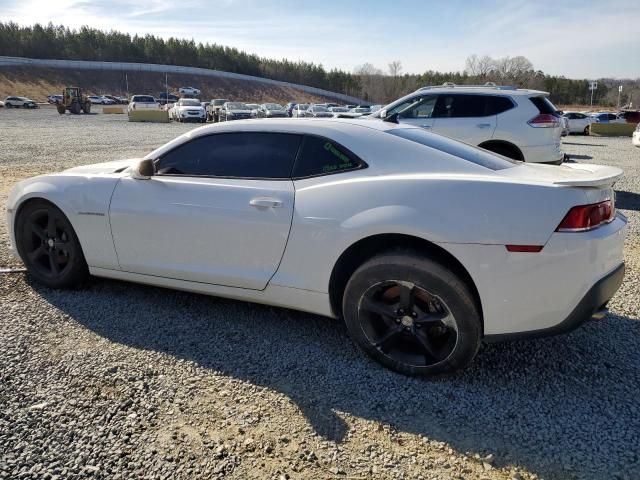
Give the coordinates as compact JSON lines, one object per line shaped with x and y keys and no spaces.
{"x":36,"y":83}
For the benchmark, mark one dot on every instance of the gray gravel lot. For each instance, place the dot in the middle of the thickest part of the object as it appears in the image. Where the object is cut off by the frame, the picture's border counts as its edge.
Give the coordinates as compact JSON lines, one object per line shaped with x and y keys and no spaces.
{"x":126,"y":381}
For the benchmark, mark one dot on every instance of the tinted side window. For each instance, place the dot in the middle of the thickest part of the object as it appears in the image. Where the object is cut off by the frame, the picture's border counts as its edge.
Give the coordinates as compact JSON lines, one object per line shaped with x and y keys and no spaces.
{"x":244,"y":155}
{"x":416,"y":107}
{"x":457,"y":105}
{"x":496,"y":105}
{"x":321,"y":156}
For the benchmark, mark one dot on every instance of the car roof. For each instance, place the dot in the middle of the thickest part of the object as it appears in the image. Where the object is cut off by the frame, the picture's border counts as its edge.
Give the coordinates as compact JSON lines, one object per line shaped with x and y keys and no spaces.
{"x":482,"y":89}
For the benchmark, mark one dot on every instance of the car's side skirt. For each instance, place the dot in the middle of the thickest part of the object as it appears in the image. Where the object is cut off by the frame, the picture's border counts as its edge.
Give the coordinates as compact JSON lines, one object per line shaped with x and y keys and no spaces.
{"x":276,"y":295}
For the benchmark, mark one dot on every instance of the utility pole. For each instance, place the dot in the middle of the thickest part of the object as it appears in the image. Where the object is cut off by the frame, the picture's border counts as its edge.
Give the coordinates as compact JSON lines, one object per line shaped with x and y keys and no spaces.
{"x":619,"y":92}
{"x":593,"y":85}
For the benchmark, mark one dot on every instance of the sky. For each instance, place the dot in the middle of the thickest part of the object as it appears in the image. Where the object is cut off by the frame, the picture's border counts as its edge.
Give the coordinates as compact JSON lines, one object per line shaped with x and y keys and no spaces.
{"x":576,"y":39}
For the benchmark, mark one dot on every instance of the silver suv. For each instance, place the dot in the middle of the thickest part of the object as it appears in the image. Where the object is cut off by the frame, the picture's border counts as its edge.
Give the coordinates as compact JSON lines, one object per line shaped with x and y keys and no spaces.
{"x":517,"y":123}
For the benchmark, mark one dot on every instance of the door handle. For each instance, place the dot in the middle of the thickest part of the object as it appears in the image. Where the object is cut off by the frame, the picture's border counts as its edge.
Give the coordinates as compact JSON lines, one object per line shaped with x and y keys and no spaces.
{"x":265,"y":202}
{"x":483,"y":125}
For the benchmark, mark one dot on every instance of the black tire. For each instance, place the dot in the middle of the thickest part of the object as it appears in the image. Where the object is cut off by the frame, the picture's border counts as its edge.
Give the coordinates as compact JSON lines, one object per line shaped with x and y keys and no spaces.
{"x":586,"y":130}
{"x":49,"y":246}
{"x":87,"y":107}
{"x":8,"y":105}
{"x":75,"y":108}
{"x":438,"y":331}
{"x":61,"y":109}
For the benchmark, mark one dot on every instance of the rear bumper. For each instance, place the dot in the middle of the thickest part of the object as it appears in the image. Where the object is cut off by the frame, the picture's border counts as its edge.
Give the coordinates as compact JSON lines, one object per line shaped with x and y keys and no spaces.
{"x":593,"y":302}
{"x":521,"y":293}
{"x":551,"y":153}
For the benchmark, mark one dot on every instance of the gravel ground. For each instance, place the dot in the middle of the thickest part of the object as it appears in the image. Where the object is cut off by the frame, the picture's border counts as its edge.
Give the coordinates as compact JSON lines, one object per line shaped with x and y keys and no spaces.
{"x":127,"y":381}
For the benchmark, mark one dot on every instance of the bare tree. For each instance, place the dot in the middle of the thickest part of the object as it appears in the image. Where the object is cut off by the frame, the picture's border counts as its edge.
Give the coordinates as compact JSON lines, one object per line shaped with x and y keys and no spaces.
{"x":395,"y":68}
{"x":479,"y":66}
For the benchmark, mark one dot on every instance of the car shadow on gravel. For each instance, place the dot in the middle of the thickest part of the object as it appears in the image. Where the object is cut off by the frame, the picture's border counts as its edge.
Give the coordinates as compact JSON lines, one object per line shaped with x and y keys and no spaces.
{"x":564,"y":407}
{"x":627,"y":200}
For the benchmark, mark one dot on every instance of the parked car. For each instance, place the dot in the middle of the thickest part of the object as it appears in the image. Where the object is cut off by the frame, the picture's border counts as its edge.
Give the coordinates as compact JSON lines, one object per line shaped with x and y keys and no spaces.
{"x":253,"y":108}
{"x":107,"y":100}
{"x":54,"y":99}
{"x":140,"y":102}
{"x":578,"y":122}
{"x":360,"y":111}
{"x":213,"y":110}
{"x":289,"y":108}
{"x":191,"y":91}
{"x":424,"y":257}
{"x":165,"y":98}
{"x":338,"y":112}
{"x":19,"y":102}
{"x":299,"y":110}
{"x":635,"y":139}
{"x":188,"y":110}
{"x":96,"y":99}
{"x":606,"y":117}
{"x":565,"y":124}
{"x":517,"y":123}
{"x":234,"y":111}
{"x":115,"y":100}
{"x":271,"y":110}
{"x":318,"y":111}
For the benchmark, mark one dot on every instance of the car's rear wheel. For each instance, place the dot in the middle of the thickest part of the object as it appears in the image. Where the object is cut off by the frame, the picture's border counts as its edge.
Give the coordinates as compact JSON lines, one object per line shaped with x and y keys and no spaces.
{"x":8,"y":105}
{"x":412,"y":314}
{"x":586,"y":130}
{"x":49,"y":246}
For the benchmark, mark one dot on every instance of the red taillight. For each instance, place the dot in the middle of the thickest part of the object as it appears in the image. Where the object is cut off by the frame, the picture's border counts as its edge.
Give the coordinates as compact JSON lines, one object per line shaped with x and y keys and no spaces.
{"x":544,"y":120}
{"x":524,"y":248}
{"x":587,"y":217}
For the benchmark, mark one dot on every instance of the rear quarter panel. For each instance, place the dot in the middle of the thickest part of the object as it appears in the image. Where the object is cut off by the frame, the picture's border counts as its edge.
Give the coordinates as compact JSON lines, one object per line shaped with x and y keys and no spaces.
{"x":334,"y":212}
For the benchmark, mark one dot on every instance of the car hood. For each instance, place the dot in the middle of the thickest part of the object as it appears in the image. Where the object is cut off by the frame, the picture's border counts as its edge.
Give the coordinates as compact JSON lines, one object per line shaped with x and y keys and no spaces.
{"x":115,"y":166}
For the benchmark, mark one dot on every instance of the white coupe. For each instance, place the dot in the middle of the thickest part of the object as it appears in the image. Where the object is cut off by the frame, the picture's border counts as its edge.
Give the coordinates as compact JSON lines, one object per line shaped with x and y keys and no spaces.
{"x":423,"y":245}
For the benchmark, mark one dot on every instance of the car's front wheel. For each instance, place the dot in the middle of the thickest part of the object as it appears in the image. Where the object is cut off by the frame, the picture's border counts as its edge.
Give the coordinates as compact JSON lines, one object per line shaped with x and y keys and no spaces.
{"x":49,"y":246}
{"x":412,"y":314}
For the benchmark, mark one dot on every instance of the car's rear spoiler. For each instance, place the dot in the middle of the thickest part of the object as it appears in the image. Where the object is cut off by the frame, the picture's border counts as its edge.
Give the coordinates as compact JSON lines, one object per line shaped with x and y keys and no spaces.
{"x":587,"y":175}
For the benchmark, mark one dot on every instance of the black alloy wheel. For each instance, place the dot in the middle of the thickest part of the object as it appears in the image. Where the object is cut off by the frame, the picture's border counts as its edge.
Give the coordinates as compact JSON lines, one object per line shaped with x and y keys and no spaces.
{"x":407,"y":323}
{"x":49,"y":247}
{"x":412,"y":314}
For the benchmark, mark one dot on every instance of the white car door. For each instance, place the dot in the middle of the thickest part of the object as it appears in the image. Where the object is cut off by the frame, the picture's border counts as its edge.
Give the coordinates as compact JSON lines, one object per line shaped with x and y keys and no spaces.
{"x":218,"y":210}
{"x":466,"y":117}
{"x":416,"y":111}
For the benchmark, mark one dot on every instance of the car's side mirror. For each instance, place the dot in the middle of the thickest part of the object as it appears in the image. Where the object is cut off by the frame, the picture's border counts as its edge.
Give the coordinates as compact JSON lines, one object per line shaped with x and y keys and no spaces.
{"x":144,"y":170}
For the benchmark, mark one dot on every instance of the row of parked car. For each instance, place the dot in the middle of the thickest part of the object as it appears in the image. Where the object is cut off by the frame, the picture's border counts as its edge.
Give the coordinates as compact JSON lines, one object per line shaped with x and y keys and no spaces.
{"x":94,"y":99}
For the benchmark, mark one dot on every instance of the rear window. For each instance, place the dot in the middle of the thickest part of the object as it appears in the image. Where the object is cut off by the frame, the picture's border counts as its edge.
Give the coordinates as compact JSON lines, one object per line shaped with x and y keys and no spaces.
{"x":544,"y":105}
{"x":143,"y":99}
{"x":321,"y":156}
{"x":469,"y":153}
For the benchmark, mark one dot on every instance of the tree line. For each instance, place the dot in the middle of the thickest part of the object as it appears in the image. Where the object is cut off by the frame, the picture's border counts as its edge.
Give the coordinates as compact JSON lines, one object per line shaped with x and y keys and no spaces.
{"x":366,"y":81}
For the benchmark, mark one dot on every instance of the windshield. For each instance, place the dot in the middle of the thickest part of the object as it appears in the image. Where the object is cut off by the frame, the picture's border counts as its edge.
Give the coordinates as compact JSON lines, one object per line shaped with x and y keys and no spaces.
{"x":320,"y":108}
{"x":236,"y":106}
{"x":252,"y":105}
{"x":361,"y":110}
{"x":272,"y":106}
{"x":469,"y":153}
{"x":339,"y":109}
{"x":304,"y":106}
{"x":143,"y":99}
{"x":190,"y":102}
